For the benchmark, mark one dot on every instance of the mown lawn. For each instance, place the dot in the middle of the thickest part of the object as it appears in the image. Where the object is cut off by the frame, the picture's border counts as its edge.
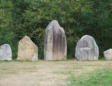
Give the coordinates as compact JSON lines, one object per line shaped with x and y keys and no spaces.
{"x":56,"y":73}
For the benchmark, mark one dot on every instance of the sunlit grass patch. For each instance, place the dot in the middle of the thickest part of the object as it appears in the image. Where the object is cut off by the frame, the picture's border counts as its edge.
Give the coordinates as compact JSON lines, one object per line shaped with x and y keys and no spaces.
{"x":97,"y":78}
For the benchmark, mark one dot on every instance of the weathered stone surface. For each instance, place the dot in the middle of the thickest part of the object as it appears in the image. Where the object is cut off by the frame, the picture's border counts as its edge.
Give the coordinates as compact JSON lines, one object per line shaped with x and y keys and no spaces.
{"x":87,"y":49}
{"x":108,"y":54}
{"x":27,"y":50}
{"x":55,"y":42}
{"x":5,"y":52}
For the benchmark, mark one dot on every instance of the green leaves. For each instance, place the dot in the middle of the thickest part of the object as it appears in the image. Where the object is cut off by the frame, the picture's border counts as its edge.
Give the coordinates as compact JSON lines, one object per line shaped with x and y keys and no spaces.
{"x":78,"y":17}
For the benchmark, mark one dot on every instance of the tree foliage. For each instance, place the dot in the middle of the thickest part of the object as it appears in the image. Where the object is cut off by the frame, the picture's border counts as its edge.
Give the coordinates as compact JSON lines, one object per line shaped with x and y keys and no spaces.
{"x":78,"y":17}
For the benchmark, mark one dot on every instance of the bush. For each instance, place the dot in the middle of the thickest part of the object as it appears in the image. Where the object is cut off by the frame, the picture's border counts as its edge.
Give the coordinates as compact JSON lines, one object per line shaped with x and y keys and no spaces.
{"x":8,"y":37}
{"x":78,"y":17}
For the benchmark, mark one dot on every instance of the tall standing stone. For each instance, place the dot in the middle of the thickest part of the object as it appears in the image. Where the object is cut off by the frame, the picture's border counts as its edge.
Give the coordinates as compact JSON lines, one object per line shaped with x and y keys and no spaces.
{"x":5,"y":52}
{"x":87,"y":49}
{"x":27,"y":50}
{"x":55,"y":42}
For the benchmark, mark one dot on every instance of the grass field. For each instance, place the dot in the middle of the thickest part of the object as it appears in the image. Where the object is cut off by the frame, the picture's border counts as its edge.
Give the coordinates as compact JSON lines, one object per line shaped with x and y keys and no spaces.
{"x":56,"y":73}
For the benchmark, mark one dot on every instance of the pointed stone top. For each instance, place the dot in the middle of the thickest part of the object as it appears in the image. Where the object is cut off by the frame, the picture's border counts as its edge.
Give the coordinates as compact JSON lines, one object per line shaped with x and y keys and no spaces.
{"x":26,"y":38}
{"x":53,"y":23}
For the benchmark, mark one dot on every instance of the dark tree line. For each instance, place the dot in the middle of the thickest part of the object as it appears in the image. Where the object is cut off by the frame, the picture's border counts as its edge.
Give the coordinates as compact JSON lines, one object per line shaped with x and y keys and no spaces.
{"x":78,"y":17}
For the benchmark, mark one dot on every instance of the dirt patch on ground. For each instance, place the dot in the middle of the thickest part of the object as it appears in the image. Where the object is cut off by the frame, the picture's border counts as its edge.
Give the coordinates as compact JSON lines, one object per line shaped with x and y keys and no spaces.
{"x":45,"y":73}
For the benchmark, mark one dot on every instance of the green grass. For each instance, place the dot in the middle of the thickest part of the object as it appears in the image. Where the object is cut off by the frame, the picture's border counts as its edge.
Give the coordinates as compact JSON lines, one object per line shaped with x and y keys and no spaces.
{"x":98,"y":78}
{"x":56,"y":73}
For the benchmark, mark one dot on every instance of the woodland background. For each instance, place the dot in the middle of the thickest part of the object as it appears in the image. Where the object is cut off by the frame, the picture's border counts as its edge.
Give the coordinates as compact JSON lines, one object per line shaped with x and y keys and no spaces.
{"x":78,"y":17}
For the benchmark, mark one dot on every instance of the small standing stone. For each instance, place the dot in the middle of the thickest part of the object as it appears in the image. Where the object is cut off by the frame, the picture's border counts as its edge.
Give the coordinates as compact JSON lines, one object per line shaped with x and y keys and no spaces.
{"x":5,"y":52}
{"x":87,"y":49}
{"x":108,"y":54}
{"x":27,"y":50}
{"x":55,"y":42}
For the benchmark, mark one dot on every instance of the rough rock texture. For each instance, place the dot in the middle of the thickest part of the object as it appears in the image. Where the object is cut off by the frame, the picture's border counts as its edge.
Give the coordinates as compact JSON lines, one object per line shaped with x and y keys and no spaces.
{"x":55,"y":42}
{"x":108,"y":54}
{"x":5,"y":52}
{"x":87,"y":49}
{"x":27,"y":50}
